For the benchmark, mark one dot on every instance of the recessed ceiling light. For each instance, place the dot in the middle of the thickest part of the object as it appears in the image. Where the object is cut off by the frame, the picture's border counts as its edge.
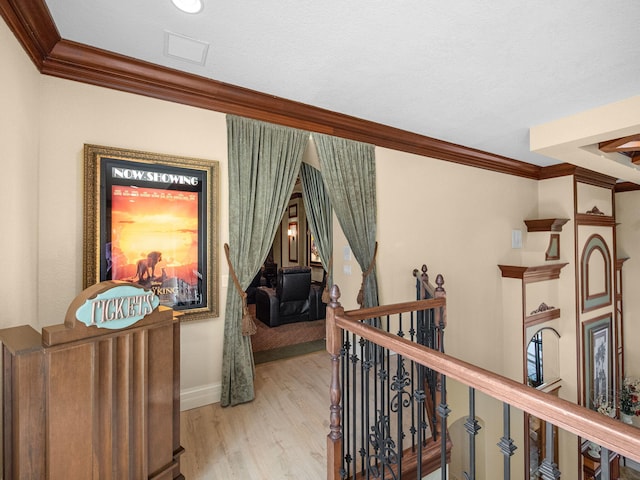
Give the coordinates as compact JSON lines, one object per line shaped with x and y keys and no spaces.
{"x":188,"y":6}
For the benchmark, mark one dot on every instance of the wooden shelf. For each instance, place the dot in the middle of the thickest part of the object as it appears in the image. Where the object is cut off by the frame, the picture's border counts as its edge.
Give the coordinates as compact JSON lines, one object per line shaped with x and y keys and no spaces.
{"x":620,"y":261}
{"x":595,"y":220}
{"x":532,"y":274}
{"x":546,"y":224}
{"x":542,"y":317}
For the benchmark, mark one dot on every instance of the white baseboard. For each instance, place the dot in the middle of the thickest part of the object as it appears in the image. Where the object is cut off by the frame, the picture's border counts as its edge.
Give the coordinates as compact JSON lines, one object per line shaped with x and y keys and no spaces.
{"x":200,"y":396}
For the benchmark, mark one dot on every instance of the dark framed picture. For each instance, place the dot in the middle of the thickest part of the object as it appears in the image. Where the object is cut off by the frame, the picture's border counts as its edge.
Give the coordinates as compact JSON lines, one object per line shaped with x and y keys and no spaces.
{"x":293,"y":211}
{"x":598,"y":362}
{"x":292,"y":233}
{"x":152,"y":219}
{"x":314,"y":255}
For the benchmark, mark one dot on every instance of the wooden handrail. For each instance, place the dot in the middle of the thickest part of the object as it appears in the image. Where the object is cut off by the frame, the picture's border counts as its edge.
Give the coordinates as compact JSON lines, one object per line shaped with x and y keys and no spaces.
{"x":393,"y":309}
{"x":589,"y":424}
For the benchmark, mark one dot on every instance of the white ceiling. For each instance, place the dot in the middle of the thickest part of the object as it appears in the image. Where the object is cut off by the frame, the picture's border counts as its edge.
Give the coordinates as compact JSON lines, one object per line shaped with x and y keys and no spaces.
{"x":476,"y":73}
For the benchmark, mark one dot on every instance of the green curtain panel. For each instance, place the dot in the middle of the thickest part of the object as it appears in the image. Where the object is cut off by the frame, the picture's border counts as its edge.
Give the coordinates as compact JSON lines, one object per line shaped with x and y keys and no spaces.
{"x":319,"y":214}
{"x":264,"y":160}
{"x":349,"y":173}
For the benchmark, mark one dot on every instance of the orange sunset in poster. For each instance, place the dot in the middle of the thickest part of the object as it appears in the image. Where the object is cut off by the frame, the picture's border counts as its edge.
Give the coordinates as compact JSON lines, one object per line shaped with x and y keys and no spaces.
{"x":154,"y":240}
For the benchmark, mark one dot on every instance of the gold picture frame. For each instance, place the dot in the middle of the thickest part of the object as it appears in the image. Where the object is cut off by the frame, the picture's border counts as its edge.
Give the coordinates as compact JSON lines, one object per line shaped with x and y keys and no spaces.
{"x":152,"y":219}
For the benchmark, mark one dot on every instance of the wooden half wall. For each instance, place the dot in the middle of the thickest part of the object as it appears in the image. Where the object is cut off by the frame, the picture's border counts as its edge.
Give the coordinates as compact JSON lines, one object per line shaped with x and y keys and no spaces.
{"x":92,"y":403}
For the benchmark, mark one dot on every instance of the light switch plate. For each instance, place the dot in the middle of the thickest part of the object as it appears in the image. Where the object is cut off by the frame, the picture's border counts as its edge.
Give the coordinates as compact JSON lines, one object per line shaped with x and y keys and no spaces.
{"x":516,"y":238}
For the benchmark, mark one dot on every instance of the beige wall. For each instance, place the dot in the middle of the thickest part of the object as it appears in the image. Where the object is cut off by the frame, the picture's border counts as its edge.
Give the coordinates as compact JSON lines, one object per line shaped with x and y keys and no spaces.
{"x":44,"y":123}
{"x":73,"y":114}
{"x":628,"y":238}
{"x":19,"y":99}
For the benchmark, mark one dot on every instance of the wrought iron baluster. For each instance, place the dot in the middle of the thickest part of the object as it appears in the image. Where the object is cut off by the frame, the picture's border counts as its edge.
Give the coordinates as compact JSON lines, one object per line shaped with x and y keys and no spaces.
{"x":401,"y":381}
{"x":376,"y":401}
{"x":387,"y":389}
{"x":346,"y":463}
{"x":364,"y":400}
{"x":384,"y":454}
{"x":336,"y":425}
{"x":414,"y":421}
{"x":506,"y":444}
{"x":605,"y":465}
{"x":353,"y":358}
{"x":367,"y":415}
{"x":401,"y":400}
{"x":472,"y":428}
{"x":419,"y":397}
{"x":549,"y":468}
{"x":443,"y":411}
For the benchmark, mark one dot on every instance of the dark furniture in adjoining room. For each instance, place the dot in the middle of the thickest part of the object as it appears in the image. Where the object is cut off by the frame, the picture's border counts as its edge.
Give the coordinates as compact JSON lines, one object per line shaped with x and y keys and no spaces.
{"x":292,"y":300}
{"x":270,"y":273}
{"x":257,"y":281}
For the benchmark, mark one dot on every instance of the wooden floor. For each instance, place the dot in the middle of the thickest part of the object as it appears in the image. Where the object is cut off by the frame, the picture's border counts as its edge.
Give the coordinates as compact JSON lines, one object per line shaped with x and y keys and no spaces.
{"x":280,"y":435}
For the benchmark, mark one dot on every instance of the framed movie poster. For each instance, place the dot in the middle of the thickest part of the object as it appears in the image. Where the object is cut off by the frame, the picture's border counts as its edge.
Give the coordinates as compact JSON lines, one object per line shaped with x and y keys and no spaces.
{"x":152,"y":220}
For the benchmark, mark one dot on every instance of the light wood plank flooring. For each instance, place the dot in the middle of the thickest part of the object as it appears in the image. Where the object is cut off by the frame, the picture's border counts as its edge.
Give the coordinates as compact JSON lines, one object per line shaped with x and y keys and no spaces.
{"x":280,"y":435}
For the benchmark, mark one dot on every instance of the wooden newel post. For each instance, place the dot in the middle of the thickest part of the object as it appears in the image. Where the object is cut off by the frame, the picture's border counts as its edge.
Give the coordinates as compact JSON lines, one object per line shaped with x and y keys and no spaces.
{"x":334,"y":345}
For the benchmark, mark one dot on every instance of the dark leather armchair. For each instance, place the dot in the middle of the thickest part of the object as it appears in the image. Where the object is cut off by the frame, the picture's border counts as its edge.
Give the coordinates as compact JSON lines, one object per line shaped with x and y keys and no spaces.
{"x":289,"y":301}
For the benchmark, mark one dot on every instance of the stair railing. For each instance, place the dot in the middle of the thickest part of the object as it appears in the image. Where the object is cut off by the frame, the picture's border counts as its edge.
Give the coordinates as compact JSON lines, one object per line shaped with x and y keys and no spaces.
{"x":380,"y":453}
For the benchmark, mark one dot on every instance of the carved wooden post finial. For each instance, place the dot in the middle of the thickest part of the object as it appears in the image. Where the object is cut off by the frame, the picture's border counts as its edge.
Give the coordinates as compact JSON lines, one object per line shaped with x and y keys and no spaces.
{"x":440,"y":283}
{"x":425,"y":276}
{"x":334,"y":294}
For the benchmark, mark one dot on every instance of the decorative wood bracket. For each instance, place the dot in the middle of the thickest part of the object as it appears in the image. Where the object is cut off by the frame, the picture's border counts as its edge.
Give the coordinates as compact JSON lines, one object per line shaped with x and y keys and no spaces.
{"x":546,"y":224}
{"x":532,"y":274}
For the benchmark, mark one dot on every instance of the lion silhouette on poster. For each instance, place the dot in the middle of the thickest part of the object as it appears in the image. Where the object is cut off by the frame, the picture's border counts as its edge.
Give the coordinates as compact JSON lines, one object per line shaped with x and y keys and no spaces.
{"x":145,"y":268}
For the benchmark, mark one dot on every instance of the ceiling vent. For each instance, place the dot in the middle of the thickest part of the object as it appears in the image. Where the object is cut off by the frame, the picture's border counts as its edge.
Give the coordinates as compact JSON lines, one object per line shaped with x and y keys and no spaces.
{"x":185,"y":48}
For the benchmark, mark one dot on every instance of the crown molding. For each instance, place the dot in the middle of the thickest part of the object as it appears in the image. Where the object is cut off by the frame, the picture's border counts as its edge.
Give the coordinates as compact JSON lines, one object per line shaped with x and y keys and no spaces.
{"x":626,"y":187}
{"x":596,"y":179}
{"x":32,"y":25}
{"x":34,"y":28}
{"x":555,"y":171}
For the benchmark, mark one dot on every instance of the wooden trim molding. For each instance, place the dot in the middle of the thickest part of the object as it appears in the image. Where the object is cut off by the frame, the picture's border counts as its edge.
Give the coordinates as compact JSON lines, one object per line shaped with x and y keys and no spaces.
{"x":555,"y":171}
{"x":546,"y":224}
{"x":581,"y":174}
{"x":542,"y":316}
{"x":532,"y":274}
{"x":595,"y":220}
{"x":34,"y":28}
{"x":596,"y":179}
{"x":626,"y":187}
